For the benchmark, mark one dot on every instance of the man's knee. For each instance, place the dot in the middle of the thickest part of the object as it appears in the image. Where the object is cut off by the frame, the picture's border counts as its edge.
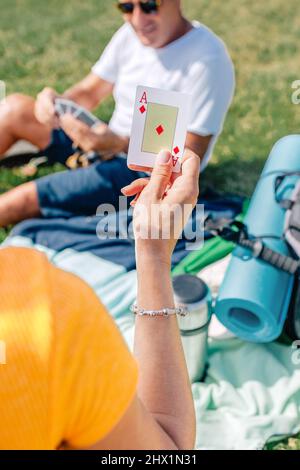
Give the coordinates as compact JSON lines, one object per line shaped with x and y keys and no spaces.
{"x":16,"y":107}
{"x":19,"y":204}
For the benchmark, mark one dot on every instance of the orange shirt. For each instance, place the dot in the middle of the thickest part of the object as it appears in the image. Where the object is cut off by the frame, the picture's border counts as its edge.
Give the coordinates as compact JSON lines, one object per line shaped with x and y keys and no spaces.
{"x":69,"y":376}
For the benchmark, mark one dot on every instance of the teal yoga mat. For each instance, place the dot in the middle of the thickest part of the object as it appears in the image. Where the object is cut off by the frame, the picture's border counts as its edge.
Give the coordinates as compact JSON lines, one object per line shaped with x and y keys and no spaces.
{"x":254,"y":296}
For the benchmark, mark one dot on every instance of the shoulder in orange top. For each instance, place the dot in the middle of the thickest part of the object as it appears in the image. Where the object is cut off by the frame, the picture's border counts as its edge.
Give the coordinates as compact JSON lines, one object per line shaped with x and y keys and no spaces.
{"x":69,"y":376}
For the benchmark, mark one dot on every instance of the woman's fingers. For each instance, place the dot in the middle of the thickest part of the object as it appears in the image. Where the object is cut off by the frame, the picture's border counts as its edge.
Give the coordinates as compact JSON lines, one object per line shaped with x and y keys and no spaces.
{"x":140,"y":168}
{"x":161,"y":174}
{"x":162,"y":179}
{"x":135,"y":187}
{"x":191,"y":165}
{"x":185,"y":187}
{"x":134,"y":201}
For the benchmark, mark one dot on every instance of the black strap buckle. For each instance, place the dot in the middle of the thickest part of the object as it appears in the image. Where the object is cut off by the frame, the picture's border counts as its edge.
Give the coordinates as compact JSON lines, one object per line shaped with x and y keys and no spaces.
{"x":229,"y":230}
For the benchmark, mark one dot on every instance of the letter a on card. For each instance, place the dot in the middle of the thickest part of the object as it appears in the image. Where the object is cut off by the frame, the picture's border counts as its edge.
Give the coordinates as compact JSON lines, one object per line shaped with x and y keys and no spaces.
{"x":144,"y":98}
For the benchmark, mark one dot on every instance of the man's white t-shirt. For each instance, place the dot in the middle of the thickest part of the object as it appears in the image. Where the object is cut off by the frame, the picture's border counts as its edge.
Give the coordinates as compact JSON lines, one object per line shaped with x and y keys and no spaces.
{"x":197,"y":63}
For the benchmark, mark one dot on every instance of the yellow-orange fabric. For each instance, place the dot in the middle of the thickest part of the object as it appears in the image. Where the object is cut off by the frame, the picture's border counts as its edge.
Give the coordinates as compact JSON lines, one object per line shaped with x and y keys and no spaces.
{"x":69,"y":376}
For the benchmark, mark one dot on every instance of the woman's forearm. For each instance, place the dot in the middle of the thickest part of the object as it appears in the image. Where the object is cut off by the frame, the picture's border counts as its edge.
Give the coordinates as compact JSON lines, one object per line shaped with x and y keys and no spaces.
{"x":164,"y":386}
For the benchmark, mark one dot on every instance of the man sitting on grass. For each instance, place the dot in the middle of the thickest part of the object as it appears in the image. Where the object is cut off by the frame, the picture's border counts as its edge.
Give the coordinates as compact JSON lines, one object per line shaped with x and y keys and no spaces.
{"x":155,"y":47}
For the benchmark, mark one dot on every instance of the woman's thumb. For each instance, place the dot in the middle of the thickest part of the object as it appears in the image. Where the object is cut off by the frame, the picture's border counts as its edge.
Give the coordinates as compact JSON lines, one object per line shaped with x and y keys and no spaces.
{"x":161,"y":173}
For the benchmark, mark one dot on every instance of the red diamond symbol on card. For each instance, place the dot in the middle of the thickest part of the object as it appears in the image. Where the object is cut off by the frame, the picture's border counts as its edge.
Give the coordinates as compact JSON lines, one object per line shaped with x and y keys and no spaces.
{"x":175,"y":160}
{"x":176,"y":150}
{"x":142,"y":109}
{"x":159,"y":129}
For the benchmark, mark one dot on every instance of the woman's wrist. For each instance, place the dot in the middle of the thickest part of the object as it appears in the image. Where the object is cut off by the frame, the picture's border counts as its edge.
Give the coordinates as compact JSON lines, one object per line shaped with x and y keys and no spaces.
{"x":154,"y":283}
{"x":153,"y":265}
{"x":152,"y":253}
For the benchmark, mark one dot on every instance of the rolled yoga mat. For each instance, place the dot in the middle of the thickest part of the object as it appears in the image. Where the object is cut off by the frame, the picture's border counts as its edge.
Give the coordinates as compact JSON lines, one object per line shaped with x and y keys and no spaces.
{"x":254,"y":297}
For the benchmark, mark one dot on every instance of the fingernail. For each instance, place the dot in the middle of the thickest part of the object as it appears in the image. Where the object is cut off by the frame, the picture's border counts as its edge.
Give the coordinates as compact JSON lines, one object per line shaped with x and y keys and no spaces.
{"x":163,"y":157}
{"x":124,"y":189}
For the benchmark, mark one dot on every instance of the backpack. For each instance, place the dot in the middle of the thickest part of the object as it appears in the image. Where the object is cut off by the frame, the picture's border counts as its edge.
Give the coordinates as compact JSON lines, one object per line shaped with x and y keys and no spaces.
{"x":292,"y":220}
{"x":292,"y":236}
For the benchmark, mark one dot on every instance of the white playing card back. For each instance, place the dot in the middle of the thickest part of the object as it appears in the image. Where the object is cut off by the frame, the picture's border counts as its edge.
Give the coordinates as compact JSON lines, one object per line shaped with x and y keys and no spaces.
{"x":160,"y":122}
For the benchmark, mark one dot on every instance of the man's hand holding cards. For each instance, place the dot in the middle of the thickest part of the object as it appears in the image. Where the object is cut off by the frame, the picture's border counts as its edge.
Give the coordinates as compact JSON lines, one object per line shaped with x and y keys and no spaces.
{"x":64,"y":106}
{"x":159,"y":123}
{"x":78,"y":123}
{"x":87,"y":131}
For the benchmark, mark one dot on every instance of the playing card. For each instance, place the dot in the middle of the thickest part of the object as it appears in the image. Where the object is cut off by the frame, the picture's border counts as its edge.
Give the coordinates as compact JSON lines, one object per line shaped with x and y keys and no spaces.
{"x":86,"y":117}
{"x":58,"y":109}
{"x":60,"y":106}
{"x":73,"y":108}
{"x":63,"y":106}
{"x":159,"y":123}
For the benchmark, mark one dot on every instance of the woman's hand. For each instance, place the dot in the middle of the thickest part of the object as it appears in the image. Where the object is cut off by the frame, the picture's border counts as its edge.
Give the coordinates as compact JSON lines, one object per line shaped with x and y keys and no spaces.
{"x":163,"y":205}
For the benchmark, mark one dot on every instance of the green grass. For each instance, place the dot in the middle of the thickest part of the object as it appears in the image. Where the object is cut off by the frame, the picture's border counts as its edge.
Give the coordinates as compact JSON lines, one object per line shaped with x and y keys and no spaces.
{"x":54,"y":43}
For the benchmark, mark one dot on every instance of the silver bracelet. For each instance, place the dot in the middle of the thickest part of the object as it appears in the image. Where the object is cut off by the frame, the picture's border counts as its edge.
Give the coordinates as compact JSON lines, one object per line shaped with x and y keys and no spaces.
{"x":164,"y":312}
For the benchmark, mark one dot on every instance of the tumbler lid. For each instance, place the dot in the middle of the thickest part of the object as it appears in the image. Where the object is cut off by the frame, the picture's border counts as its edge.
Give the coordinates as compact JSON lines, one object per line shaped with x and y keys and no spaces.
{"x":189,"y":289}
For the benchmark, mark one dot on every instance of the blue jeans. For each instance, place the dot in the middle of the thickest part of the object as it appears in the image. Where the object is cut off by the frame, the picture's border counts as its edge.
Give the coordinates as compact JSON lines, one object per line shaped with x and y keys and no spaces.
{"x":80,"y":192}
{"x":60,"y":148}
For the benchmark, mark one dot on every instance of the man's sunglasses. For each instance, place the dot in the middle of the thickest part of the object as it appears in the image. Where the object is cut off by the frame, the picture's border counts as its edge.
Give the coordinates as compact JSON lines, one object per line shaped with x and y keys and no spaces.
{"x":150,"y":6}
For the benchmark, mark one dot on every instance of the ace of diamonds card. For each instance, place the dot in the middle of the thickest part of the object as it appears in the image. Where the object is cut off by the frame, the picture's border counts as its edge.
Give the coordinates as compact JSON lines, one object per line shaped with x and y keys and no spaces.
{"x":159,"y":123}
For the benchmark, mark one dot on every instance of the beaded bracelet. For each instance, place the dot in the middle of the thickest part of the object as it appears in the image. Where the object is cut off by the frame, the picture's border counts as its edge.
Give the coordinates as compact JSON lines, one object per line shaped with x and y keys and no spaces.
{"x":164,"y":312}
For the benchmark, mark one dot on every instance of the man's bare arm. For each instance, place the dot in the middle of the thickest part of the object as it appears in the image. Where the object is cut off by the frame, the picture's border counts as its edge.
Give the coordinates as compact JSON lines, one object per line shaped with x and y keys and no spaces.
{"x":198,"y":143}
{"x":90,"y":91}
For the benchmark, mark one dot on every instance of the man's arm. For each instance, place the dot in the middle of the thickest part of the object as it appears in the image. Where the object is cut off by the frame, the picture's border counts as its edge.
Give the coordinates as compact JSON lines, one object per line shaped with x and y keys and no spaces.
{"x":198,"y":144}
{"x":90,"y":91}
{"x":101,"y":138}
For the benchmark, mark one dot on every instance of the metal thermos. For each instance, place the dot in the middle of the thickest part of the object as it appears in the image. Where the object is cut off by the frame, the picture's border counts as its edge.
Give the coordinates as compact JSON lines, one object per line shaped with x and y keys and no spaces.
{"x":193,"y":294}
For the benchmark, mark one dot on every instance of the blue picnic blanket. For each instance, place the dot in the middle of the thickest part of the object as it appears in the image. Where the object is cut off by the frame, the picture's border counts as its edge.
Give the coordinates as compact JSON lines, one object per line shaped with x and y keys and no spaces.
{"x":82,"y":233}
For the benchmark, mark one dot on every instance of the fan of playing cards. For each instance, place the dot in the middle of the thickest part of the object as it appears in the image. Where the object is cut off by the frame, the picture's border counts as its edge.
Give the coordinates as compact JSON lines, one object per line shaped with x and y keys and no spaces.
{"x":64,"y":106}
{"x":159,"y":123}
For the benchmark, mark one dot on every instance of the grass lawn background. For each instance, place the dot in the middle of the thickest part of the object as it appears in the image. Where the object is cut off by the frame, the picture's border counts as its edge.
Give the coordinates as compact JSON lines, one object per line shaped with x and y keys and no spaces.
{"x":55,"y":42}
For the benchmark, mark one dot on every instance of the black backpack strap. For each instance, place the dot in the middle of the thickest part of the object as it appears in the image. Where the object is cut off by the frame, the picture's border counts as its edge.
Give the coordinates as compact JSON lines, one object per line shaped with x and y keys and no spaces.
{"x":282,"y":262}
{"x":236,"y":232}
{"x":286,"y":204}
